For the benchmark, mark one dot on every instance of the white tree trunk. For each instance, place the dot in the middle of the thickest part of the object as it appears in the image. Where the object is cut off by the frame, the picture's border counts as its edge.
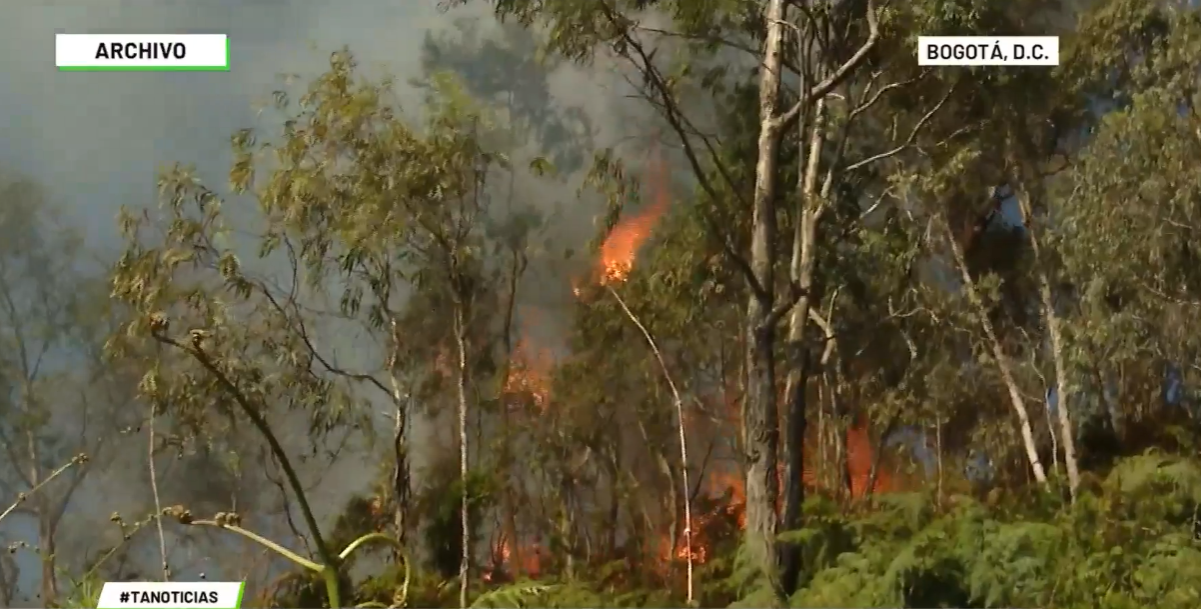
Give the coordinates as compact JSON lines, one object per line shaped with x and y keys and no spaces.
{"x":998,"y":352}
{"x":464,"y":513}
{"x":1055,"y":330}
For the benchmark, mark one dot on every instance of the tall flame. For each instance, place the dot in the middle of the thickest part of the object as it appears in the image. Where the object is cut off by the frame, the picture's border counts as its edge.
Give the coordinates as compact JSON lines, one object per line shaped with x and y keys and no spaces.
{"x":620,"y":248}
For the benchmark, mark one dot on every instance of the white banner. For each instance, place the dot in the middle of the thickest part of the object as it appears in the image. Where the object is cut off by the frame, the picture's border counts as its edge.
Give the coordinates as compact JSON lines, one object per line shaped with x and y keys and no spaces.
{"x":171,"y":595}
{"x":144,"y":52}
{"x":988,"y":50}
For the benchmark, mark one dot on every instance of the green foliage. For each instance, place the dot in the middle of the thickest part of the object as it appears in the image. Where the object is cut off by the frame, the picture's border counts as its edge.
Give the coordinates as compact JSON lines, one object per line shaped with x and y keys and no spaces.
{"x":443,"y":530}
{"x":82,"y":594}
{"x":1103,"y":551}
{"x":1125,"y":544}
{"x":514,"y":595}
{"x":928,"y":318}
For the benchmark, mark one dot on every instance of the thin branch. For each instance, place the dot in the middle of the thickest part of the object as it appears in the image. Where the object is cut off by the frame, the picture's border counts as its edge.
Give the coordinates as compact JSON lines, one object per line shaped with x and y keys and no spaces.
{"x":908,"y":141}
{"x":126,"y":536}
{"x":696,"y":488}
{"x":679,"y":404}
{"x":21,"y":497}
{"x":821,"y":89}
{"x":263,"y":541}
{"x":158,"y":506}
{"x":682,"y":126}
{"x":782,"y":308}
{"x":867,"y":105}
{"x":714,"y":38}
{"x":303,"y":334}
{"x":287,"y":505}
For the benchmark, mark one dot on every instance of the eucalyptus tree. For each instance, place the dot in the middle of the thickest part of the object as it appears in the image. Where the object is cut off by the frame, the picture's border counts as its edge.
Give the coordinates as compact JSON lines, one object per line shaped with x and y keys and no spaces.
{"x":500,"y":67}
{"x":358,"y":204}
{"x":619,"y":28}
{"x":1124,"y":224}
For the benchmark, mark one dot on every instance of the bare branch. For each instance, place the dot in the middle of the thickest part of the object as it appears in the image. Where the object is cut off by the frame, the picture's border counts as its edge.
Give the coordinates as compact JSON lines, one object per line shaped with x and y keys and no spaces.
{"x":21,"y":497}
{"x":867,"y":105}
{"x":782,"y":308}
{"x":303,"y":334}
{"x":909,"y":140}
{"x":838,"y":76}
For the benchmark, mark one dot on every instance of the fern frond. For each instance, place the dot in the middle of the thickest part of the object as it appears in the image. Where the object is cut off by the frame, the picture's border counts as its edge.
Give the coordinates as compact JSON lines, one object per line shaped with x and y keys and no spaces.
{"x":513,"y":596}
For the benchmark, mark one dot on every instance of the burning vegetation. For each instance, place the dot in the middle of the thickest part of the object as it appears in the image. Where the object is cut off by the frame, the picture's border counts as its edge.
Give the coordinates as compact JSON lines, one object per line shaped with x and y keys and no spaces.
{"x":529,"y":375}
{"x":719,"y":512}
{"x":620,"y":248}
{"x":837,"y":237}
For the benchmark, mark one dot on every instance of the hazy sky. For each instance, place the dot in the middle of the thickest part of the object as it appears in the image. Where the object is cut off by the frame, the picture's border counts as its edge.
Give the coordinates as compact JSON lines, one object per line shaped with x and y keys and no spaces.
{"x":96,"y":139}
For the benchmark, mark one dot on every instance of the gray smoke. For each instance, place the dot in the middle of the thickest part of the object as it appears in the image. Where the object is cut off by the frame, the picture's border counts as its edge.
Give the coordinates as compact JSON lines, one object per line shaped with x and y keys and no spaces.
{"x":95,"y":141}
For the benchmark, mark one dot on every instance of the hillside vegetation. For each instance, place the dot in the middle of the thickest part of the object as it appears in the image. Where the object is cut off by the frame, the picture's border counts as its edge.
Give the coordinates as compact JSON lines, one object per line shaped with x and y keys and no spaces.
{"x":851,"y":332}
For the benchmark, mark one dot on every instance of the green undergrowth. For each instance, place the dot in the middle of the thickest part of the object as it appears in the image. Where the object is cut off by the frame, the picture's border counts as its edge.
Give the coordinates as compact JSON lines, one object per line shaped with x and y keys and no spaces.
{"x":1126,"y":543}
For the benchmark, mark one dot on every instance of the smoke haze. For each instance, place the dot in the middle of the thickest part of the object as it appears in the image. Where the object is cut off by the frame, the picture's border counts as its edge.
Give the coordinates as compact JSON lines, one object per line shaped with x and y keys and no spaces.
{"x":95,"y":142}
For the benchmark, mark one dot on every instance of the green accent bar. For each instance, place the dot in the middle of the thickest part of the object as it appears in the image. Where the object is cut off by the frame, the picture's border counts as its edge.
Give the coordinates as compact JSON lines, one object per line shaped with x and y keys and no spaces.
{"x":224,"y":68}
{"x":242,"y":588}
{"x":143,"y":69}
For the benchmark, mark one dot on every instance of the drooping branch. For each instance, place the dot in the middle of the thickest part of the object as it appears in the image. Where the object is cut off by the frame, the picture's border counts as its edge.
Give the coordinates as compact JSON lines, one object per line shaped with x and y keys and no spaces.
{"x":679,"y":405}
{"x":329,"y":560}
{"x":158,"y":506}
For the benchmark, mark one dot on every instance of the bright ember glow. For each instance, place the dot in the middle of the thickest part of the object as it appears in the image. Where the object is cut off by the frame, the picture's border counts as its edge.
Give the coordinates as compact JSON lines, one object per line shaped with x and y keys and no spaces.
{"x":529,"y":374}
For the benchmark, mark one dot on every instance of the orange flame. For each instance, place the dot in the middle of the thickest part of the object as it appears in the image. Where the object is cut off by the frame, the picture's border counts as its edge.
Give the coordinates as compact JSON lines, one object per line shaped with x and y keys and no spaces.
{"x":529,"y":374}
{"x":502,"y":561}
{"x":860,"y":455}
{"x":620,"y":248}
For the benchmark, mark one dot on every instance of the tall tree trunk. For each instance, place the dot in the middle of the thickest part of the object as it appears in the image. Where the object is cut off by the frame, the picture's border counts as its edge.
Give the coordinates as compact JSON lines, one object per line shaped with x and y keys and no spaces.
{"x":401,"y":481}
{"x":877,"y":445}
{"x":937,"y":460}
{"x":49,"y":583}
{"x":49,"y":560}
{"x":671,"y":503}
{"x":998,"y":352}
{"x":613,"y":514}
{"x":1055,"y":330}
{"x":801,"y":273}
{"x":760,"y":410}
{"x":8,"y":580}
{"x":508,"y":501}
{"x":460,"y":329}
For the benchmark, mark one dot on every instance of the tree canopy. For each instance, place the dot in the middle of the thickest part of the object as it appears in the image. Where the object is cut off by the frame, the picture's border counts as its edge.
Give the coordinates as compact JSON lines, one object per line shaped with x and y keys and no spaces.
{"x":849,"y":331}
